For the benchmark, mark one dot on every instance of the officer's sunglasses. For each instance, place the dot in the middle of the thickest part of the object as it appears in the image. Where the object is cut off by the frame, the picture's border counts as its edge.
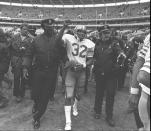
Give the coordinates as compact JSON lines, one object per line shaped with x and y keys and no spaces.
{"x":106,"y":32}
{"x":49,"y":26}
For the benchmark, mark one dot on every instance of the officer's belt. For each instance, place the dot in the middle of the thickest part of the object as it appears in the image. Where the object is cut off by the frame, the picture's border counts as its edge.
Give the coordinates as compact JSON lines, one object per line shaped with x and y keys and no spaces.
{"x":42,"y":67}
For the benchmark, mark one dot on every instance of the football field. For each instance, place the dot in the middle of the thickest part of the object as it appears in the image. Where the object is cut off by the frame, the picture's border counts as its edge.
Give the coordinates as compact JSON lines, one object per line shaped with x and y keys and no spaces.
{"x":19,"y":117}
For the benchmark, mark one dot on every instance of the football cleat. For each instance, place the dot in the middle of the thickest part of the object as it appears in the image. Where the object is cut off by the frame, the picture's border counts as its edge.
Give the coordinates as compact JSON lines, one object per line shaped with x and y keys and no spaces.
{"x":68,"y":127}
{"x":75,"y":112}
{"x":75,"y":108}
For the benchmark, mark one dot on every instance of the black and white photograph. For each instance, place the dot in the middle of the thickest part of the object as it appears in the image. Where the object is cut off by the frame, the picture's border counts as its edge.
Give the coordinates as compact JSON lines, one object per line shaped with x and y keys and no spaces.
{"x":74,"y":65}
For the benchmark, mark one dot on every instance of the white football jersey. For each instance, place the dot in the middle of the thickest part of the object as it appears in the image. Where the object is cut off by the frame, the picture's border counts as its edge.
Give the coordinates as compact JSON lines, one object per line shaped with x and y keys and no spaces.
{"x":78,"y":51}
{"x":146,"y":68}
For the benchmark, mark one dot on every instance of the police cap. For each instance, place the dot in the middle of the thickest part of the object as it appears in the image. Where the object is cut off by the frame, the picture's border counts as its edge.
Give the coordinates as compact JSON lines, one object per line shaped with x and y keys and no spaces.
{"x":47,"y":22}
{"x":104,"y":28}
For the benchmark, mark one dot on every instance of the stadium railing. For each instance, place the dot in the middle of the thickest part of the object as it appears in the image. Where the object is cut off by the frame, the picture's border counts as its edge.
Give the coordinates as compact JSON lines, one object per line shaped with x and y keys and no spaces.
{"x":143,"y":21}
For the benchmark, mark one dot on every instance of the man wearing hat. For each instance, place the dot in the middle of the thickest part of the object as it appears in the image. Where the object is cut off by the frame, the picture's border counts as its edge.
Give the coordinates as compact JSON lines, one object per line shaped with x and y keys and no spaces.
{"x":46,"y":51}
{"x":19,"y":44}
{"x":108,"y":57}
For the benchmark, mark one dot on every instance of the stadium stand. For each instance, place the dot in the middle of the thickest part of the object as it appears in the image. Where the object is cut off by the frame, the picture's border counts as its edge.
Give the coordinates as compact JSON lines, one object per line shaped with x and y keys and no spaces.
{"x":92,"y":13}
{"x":76,"y":13}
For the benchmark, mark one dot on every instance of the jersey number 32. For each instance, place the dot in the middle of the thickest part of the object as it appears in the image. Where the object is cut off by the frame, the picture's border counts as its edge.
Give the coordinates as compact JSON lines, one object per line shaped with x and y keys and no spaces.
{"x":79,"y":50}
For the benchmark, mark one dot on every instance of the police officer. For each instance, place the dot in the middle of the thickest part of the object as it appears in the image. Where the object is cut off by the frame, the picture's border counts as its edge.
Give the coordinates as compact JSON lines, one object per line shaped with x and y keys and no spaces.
{"x":4,"y":64}
{"x":108,"y":56}
{"x":19,"y":44}
{"x":46,"y":52}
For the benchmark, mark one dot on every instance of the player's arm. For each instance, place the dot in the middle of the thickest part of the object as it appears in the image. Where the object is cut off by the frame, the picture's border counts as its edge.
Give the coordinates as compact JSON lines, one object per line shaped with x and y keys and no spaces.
{"x":144,"y":75}
{"x":135,"y":89}
{"x":61,"y":33}
{"x":134,"y":83}
{"x":138,"y":65}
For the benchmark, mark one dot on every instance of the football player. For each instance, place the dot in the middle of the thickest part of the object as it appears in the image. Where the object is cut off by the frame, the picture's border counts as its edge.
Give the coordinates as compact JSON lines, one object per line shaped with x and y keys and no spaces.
{"x":141,"y":75}
{"x":144,"y":82}
{"x":77,"y":47}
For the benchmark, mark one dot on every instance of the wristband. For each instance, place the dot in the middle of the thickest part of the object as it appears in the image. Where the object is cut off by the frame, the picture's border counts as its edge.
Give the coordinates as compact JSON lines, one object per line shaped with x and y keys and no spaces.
{"x":134,"y":91}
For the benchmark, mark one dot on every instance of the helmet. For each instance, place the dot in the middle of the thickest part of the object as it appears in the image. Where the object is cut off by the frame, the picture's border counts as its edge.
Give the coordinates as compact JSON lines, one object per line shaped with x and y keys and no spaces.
{"x":80,"y":30}
{"x":70,"y":32}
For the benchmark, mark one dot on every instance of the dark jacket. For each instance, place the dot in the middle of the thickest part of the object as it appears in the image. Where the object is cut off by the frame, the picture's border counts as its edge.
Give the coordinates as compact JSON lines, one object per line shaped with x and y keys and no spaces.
{"x":105,"y":57}
{"x":18,"y":45}
{"x":45,"y":50}
{"x":18,"y":48}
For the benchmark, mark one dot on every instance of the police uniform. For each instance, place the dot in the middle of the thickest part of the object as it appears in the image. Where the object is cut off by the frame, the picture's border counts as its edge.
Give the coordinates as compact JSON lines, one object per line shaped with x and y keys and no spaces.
{"x":46,"y":53}
{"x":19,"y":44}
{"x":106,"y":67}
{"x":4,"y":64}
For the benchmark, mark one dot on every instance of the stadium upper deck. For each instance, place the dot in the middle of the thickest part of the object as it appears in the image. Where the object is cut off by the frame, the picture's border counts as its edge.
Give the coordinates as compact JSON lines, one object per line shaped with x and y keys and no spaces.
{"x":64,"y":2}
{"x":75,"y":13}
{"x":68,"y":3}
{"x":22,"y":10}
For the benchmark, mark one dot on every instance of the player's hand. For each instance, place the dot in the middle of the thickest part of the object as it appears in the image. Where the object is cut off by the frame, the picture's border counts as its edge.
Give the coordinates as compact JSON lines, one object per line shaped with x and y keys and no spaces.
{"x":70,"y":64}
{"x":133,"y":101}
{"x":25,"y":73}
{"x":67,"y":23}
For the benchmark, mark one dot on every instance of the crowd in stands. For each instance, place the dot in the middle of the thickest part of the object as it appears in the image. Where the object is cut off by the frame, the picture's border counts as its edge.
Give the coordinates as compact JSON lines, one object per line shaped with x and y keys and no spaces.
{"x":76,"y":13}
